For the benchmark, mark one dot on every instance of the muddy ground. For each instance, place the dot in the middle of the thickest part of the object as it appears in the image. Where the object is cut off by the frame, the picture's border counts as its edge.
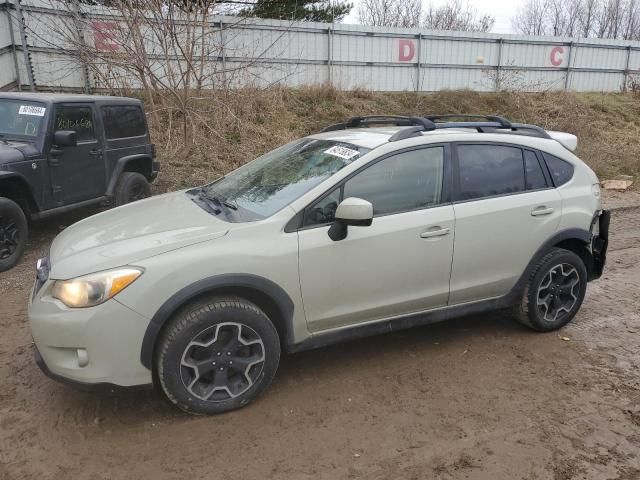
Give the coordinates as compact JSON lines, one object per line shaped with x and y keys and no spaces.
{"x":477,"y":398}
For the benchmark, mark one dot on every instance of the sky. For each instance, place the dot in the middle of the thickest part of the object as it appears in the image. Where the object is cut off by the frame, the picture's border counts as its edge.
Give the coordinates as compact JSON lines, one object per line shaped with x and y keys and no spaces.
{"x":501,"y":10}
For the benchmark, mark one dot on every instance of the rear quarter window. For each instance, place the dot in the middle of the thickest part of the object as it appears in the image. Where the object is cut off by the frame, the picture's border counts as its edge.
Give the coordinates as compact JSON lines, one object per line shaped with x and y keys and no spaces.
{"x":561,"y":170}
{"x":122,"y":121}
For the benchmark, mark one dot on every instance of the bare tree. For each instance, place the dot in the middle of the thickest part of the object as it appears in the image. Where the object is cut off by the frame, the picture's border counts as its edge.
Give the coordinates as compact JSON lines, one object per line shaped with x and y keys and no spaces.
{"x":619,"y":19}
{"x":454,"y":15}
{"x":390,"y":13}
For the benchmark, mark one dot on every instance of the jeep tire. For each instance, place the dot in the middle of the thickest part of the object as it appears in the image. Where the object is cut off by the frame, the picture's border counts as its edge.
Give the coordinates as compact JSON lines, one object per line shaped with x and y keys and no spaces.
{"x":131,"y":186}
{"x":554,"y":292}
{"x":14,"y":231}
{"x":216,"y":355}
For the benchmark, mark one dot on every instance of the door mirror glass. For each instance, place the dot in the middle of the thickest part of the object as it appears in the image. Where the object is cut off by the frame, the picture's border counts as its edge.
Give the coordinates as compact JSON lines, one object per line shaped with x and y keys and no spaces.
{"x":351,"y":211}
{"x":65,"y":138}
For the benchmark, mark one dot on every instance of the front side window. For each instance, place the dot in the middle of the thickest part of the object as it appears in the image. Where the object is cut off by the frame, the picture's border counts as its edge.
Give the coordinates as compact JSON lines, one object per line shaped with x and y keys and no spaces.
{"x":407,"y":181}
{"x":560,"y":170}
{"x":490,"y":170}
{"x":78,"y":119}
{"x":261,"y":188}
{"x":122,"y":121}
{"x":20,"y":119}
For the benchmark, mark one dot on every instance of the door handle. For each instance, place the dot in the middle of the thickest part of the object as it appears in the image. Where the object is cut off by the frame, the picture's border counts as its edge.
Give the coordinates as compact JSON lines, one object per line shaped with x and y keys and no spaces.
{"x":538,"y":211}
{"x":95,"y":152}
{"x":435,"y":233}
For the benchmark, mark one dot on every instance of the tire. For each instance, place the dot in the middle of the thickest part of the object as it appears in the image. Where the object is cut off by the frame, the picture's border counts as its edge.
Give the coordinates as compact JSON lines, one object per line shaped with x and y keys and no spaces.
{"x":131,"y":186}
{"x":226,"y":336}
{"x":14,"y":231}
{"x":555,"y":291}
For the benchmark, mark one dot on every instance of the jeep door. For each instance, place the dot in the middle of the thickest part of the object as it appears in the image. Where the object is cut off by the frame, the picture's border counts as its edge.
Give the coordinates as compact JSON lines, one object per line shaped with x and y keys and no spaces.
{"x":505,"y":208}
{"x":399,"y":265}
{"x":78,"y":172}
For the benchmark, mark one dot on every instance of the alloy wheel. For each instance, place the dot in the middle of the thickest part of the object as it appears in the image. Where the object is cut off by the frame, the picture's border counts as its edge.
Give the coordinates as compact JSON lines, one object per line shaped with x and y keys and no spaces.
{"x":222,"y":362}
{"x":9,"y":237}
{"x":558,"y":292}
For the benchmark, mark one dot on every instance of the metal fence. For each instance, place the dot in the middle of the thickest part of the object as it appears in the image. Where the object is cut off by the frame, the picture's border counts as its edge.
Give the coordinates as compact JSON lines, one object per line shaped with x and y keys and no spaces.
{"x":346,"y":56}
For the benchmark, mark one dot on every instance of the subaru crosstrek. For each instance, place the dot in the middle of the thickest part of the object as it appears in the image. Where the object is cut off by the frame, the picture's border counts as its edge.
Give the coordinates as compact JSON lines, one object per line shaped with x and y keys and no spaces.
{"x":374,"y":225}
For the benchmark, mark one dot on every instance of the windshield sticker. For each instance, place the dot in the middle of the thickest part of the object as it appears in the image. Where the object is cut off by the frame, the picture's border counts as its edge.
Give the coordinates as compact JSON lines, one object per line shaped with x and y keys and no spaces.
{"x":342,"y":152}
{"x":32,"y":110}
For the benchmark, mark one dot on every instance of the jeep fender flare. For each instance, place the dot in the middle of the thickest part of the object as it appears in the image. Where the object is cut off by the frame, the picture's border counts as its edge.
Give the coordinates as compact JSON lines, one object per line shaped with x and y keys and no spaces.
{"x":120,"y":167}
{"x":31,"y":202}
{"x":284,"y":305}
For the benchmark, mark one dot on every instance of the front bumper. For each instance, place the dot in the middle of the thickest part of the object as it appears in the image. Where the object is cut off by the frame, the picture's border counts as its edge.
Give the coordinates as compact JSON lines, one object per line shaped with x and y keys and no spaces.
{"x":88,"y":346}
{"x":600,"y":242}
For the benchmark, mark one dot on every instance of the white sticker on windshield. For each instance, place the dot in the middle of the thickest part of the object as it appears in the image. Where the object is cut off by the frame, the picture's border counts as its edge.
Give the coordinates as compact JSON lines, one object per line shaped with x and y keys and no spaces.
{"x":32,"y":110}
{"x":342,"y":152}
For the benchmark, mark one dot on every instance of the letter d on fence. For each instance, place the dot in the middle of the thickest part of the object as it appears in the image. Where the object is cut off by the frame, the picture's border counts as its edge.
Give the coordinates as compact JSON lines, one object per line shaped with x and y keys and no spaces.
{"x":406,"y":50}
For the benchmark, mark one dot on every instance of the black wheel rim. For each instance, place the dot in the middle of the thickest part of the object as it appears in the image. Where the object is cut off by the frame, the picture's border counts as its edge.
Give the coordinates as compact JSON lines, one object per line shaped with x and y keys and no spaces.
{"x":558,"y":292}
{"x":9,"y":237}
{"x":137,"y":192}
{"x":222,"y":362}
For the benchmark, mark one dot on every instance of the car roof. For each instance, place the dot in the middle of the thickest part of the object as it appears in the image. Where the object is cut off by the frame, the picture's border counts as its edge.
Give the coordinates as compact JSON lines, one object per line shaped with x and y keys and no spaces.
{"x":67,"y":98}
{"x":373,"y":137}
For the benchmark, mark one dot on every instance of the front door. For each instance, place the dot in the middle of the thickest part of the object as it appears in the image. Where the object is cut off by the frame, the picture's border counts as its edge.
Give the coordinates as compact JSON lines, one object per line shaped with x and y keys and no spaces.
{"x":401,"y":264}
{"x":78,"y":173}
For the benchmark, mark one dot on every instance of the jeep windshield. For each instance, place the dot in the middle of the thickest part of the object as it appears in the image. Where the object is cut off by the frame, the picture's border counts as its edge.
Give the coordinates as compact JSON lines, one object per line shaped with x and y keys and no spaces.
{"x":264,"y":186}
{"x":19,"y":118}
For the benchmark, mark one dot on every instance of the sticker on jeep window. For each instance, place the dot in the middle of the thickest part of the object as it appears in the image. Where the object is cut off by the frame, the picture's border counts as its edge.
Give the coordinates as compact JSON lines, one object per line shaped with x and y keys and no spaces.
{"x":342,"y":152}
{"x":32,"y":110}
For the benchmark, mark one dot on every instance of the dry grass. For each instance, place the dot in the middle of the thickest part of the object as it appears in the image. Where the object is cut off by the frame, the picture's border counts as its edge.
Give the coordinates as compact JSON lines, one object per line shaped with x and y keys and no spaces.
{"x":243,"y":124}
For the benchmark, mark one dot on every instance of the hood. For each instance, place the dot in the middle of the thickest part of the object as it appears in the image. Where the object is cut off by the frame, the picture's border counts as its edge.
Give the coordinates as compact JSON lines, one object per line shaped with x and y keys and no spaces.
{"x":12,"y":152}
{"x":131,"y":233}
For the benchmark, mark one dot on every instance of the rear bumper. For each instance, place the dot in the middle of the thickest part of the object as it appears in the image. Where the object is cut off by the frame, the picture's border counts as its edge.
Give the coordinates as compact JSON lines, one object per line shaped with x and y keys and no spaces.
{"x":600,"y":242}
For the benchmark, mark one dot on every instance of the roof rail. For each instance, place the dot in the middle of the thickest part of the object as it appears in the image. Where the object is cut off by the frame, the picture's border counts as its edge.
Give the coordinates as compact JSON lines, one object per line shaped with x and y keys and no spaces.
{"x":504,"y":123}
{"x":397,"y":120}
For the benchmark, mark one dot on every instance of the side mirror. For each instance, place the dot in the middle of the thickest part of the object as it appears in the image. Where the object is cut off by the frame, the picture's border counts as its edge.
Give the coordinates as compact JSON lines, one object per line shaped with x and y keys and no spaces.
{"x":351,"y":211}
{"x":65,"y":138}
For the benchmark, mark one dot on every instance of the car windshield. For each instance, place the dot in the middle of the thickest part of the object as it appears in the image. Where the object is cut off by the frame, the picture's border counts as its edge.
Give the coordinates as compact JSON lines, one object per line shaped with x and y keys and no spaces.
{"x":260,"y":188}
{"x":19,"y":118}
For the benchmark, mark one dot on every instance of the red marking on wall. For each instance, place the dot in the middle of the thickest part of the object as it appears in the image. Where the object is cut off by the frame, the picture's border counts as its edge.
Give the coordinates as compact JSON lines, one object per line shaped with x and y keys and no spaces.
{"x":406,"y":50}
{"x":557,"y":56}
{"x":104,"y":36}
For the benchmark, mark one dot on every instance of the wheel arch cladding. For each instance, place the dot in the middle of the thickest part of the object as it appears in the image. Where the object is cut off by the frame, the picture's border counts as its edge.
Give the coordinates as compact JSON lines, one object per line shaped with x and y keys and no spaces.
{"x":141,"y":163}
{"x":14,"y":187}
{"x":267,"y":295}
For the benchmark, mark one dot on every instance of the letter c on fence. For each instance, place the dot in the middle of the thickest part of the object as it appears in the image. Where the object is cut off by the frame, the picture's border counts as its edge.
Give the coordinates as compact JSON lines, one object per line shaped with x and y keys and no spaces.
{"x":406,"y":50}
{"x":557,"y":56}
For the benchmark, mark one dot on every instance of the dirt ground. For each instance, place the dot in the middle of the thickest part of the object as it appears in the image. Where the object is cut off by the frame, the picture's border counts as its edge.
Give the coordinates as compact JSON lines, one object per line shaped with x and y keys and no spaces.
{"x":476,"y":398}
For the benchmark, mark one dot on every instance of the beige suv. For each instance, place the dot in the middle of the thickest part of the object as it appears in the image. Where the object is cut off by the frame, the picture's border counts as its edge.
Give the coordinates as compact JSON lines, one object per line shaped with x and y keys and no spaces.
{"x":374,"y":225}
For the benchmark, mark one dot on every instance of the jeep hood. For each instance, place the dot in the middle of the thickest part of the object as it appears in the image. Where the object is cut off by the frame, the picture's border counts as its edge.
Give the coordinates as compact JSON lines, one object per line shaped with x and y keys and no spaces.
{"x":12,"y":152}
{"x":133,"y":232}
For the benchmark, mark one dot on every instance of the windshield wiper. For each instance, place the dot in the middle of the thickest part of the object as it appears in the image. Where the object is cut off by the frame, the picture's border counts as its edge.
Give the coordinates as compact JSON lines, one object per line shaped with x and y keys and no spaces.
{"x":223,"y":203}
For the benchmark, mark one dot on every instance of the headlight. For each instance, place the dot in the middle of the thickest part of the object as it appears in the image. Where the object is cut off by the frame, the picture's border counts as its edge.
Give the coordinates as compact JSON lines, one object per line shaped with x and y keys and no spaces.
{"x":94,"y":289}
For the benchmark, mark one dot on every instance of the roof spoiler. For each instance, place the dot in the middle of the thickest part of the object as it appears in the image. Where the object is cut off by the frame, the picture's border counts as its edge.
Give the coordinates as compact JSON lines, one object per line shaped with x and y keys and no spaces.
{"x":567,"y":140}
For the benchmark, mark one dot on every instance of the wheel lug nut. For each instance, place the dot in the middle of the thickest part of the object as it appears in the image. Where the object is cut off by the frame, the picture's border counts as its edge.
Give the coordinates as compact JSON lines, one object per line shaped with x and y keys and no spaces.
{"x":228,"y":353}
{"x":218,"y":354}
{"x":221,"y":368}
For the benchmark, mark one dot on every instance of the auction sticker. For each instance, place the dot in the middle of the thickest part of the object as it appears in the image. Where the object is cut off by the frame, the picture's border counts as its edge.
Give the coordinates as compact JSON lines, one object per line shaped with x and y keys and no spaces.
{"x":342,"y":152}
{"x":32,"y":110}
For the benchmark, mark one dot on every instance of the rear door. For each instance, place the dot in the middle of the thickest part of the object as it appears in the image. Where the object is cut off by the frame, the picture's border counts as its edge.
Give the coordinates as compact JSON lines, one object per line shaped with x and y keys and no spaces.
{"x":505,"y":208}
{"x":78,"y":173}
{"x":398,"y":265}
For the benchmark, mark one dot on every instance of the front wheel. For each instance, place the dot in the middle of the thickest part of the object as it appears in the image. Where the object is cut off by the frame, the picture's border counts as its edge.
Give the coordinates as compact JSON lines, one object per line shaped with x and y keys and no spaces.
{"x":555,"y":291}
{"x":217,"y":355}
{"x":14,"y":231}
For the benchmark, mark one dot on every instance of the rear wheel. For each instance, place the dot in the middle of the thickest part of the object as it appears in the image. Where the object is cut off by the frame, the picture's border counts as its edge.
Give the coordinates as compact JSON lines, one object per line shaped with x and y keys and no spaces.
{"x":132,"y":186}
{"x":14,"y":231}
{"x":555,"y":291}
{"x":217,"y":355}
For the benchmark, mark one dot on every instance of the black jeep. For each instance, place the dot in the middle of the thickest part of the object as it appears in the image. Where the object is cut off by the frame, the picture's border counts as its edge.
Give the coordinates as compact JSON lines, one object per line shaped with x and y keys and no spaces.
{"x":60,"y":152}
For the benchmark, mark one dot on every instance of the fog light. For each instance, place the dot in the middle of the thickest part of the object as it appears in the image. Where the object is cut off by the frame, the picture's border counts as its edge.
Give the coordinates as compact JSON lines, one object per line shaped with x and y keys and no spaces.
{"x":83,"y":357}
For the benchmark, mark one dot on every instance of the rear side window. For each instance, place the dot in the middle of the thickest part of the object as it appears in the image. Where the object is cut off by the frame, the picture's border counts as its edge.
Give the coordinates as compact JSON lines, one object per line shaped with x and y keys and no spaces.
{"x":489,"y":170}
{"x":76,"y":118}
{"x":123,"y":121}
{"x":533,"y":172}
{"x":561,"y":171}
